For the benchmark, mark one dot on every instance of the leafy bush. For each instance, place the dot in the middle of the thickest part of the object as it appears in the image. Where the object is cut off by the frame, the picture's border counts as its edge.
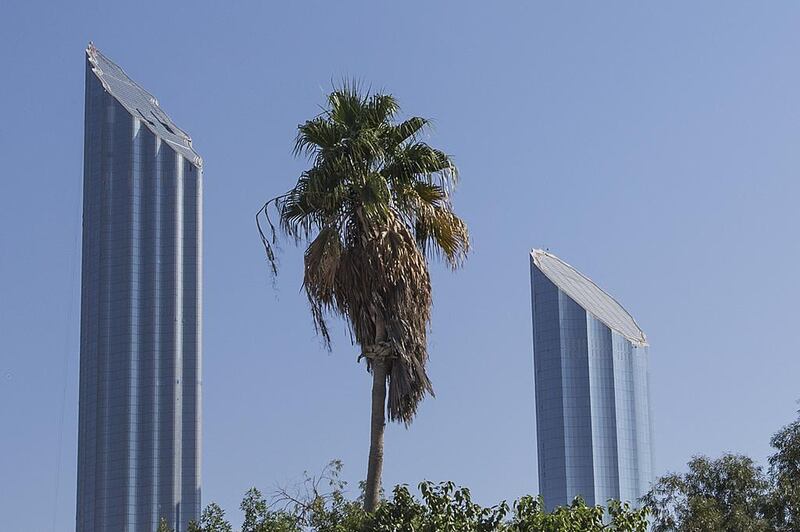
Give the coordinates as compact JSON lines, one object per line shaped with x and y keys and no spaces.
{"x":440,"y":507}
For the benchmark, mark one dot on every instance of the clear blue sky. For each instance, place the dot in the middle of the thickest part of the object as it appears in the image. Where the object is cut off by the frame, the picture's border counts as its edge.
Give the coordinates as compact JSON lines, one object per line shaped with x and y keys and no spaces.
{"x":654,"y":147}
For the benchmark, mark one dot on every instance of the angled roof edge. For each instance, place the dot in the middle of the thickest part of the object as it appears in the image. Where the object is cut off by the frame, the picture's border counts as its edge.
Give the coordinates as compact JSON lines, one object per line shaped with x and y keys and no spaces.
{"x":610,"y":312}
{"x":140,"y":104}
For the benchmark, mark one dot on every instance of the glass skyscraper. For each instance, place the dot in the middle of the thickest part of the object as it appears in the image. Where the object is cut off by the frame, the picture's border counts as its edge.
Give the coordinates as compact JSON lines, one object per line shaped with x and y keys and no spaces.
{"x":139,"y":411}
{"x":593,"y":421}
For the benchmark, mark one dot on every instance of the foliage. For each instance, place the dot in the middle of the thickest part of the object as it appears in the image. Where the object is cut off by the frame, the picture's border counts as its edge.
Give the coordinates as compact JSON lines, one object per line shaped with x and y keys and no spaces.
{"x":530,"y":515}
{"x":784,"y":467}
{"x":211,"y":520}
{"x":443,"y":508}
{"x":259,"y":518}
{"x":732,"y":493}
{"x":446,"y":508}
{"x":320,"y":504}
{"x":724,"y":494}
{"x":163,"y":525}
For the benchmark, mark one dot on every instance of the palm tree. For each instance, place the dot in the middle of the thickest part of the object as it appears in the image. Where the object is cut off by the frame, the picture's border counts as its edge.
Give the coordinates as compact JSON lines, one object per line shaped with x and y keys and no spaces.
{"x":372,"y":208}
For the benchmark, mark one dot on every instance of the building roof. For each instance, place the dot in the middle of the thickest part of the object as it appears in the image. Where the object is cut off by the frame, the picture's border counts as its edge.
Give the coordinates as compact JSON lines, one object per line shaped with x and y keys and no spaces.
{"x":588,"y":295}
{"x":140,"y":104}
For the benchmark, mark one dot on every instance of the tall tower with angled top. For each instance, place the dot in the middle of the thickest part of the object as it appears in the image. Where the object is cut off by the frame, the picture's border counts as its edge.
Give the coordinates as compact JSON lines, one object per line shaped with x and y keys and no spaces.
{"x":593,"y":421}
{"x":139,"y":410}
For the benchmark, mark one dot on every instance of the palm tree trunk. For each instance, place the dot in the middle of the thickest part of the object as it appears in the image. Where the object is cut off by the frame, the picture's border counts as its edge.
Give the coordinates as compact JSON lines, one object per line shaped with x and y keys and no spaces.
{"x":372,"y":490}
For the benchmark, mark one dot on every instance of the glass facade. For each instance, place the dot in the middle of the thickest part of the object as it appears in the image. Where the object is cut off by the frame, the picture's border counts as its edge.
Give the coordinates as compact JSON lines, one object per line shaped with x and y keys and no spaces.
{"x":139,"y":399}
{"x":593,"y":421}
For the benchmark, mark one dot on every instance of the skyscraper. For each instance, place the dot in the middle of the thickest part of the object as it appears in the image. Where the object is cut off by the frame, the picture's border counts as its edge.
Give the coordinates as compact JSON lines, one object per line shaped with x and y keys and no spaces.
{"x":593,"y":421}
{"x":139,"y":411}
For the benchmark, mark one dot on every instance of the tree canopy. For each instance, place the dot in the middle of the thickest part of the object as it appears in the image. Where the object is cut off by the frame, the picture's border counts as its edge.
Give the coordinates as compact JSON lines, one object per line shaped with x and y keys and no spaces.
{"x":435,"y":507}
{"x":732,"y":493}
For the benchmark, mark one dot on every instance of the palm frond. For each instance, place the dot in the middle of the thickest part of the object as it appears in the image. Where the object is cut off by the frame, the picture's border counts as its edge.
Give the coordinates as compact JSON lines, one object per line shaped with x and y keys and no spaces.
{"x":380,"y":109}
{"x":440,"y":232}
{"x":322,"y":259}
{"x":317,"y":134}
{"x":407,"y":130}
{"x":418,"y":161}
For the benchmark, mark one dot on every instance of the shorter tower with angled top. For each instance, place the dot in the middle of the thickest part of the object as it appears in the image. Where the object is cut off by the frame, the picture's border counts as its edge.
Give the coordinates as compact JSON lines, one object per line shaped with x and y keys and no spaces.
{"x":593,"y":420}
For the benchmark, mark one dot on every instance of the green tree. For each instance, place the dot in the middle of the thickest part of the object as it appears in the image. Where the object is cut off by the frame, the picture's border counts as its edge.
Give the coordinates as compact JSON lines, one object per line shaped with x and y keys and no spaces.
{"x":319,"y":502}
{"x":212,"y":519}
{"x":444,"y":507}
{"x":163,"y":525}
{"x":259,"y":518}
{"x":530,"y":516}
{"x":784,"y":468}
{"x":729,"y":494}
{"x":372,"y":208}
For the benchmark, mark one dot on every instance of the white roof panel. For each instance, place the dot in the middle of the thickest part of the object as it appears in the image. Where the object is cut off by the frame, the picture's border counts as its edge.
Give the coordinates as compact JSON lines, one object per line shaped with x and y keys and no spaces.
{"x":589,"y":296}
{"x":140,"y":104}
